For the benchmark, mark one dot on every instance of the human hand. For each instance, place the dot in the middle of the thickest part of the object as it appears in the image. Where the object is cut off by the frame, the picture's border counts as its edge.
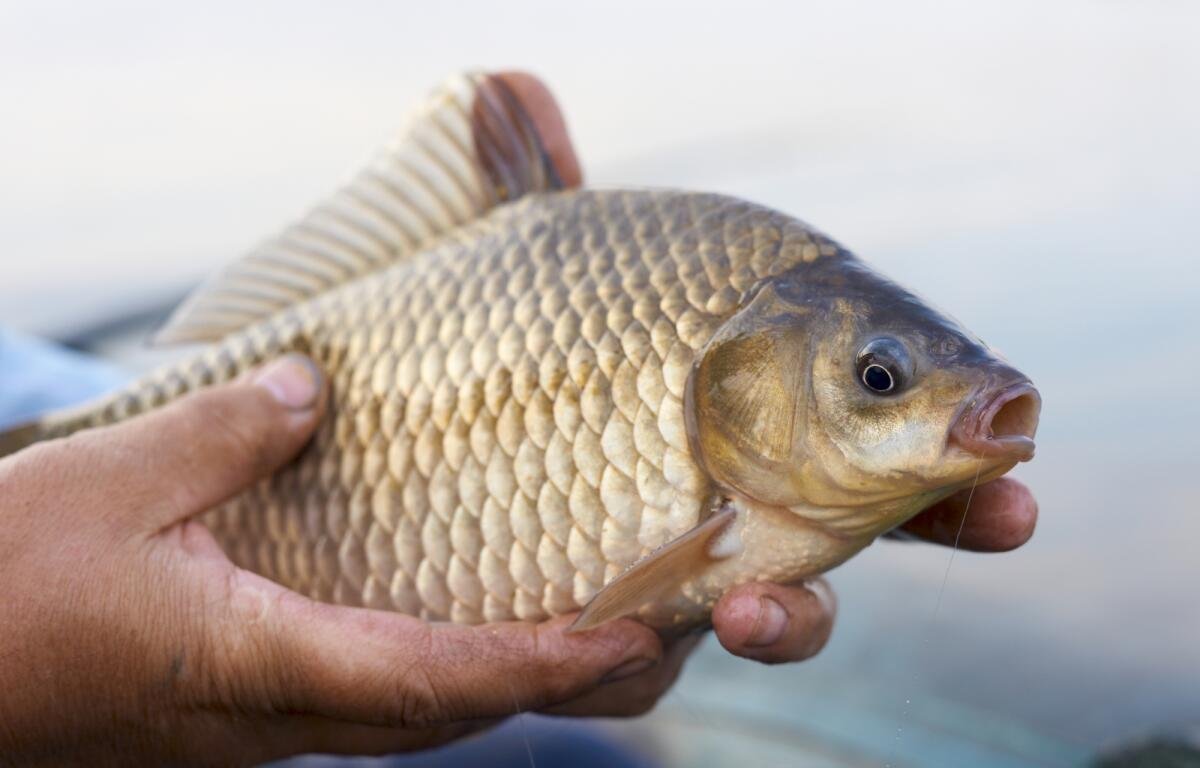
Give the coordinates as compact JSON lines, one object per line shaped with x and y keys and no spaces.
{"x":130,"y":637}
{"x":775,"y":623}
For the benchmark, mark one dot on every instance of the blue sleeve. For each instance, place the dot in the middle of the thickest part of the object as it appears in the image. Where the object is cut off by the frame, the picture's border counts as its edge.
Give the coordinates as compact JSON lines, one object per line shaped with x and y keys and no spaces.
{"x":38,"y":376}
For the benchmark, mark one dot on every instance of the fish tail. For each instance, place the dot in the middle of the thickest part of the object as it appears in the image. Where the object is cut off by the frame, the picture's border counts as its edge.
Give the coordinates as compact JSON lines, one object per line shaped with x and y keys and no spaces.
{"x":22,"y":436}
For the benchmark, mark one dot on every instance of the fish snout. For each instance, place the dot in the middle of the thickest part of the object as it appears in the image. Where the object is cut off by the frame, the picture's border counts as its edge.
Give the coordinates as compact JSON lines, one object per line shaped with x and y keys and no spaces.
{"x":1001,"y":422}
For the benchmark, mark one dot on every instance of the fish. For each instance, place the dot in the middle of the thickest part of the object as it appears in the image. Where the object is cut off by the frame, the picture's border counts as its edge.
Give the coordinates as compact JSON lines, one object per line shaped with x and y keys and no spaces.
{"x":547,"y":398}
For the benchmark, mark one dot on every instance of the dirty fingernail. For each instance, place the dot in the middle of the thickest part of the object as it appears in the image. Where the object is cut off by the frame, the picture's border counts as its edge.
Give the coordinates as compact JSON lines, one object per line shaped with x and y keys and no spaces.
{"x":771,"y":622}
{"x":293,"y":380}
{"x":628,"y":669}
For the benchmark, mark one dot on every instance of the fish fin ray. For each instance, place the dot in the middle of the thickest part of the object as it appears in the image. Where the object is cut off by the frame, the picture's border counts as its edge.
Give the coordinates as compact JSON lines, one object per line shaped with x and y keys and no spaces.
{"x":472,"y":145}
{"x":655,"y":574}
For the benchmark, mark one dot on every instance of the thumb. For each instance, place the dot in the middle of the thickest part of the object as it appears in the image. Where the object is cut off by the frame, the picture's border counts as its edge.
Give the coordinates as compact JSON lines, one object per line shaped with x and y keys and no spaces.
{"x":203,"y":449}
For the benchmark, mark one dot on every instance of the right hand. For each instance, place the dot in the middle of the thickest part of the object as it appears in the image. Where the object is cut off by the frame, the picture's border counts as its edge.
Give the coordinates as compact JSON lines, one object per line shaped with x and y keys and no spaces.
{"x":130,"y":637}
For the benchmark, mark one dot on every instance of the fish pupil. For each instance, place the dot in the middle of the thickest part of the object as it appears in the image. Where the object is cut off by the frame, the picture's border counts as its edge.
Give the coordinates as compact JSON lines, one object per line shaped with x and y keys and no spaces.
{"x":878,"y":378}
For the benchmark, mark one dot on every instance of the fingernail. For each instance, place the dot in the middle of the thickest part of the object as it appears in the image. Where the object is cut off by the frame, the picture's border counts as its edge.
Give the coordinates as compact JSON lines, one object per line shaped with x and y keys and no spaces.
{"x":824,"y":593}
{"x":770,"y":624}
{"x":293,"y":380}
{"x":629,"y":669}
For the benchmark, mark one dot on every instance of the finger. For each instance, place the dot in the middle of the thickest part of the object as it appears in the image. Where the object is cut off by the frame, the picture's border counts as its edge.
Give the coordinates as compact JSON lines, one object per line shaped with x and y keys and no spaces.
{"x":381,"y":668}
{"x":774,"y":623}
{"x":1002,"y":516}
{"x":201,"y":450}
{"x":543,"y":111}
{"x":635,"y":695}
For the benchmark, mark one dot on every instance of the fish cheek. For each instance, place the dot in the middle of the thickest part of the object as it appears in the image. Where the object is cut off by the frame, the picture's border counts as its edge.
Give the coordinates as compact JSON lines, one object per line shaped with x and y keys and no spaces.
{"x":891,"y":445}
{"x":746,"y":404}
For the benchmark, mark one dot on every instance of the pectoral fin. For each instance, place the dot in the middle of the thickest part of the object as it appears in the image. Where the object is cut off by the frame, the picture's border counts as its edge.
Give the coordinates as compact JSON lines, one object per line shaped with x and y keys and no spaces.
{"x":657,"y":573}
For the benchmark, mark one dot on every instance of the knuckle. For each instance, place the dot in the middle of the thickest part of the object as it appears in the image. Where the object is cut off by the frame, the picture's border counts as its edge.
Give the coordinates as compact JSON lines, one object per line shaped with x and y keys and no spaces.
{"x":556,"y":673}
{"x":417,"y":702}
{"x":415,"y":698}
{"x":247,"y":668}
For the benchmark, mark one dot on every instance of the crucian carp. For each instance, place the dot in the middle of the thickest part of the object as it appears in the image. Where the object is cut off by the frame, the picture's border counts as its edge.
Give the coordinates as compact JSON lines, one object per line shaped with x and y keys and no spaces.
{"x":546,"y":398}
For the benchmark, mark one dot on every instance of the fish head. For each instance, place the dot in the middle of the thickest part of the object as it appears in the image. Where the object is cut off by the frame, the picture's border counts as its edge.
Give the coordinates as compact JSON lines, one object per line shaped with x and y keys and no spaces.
{"x":833,"y":387}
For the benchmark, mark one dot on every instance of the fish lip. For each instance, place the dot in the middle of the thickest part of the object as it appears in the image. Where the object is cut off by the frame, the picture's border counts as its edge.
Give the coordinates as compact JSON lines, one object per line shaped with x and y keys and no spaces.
{"x":973,"y":433}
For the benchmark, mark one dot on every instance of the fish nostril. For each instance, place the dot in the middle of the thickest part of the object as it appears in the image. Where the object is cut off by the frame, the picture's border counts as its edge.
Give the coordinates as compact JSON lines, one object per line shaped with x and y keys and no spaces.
{"x":1016,"y":418}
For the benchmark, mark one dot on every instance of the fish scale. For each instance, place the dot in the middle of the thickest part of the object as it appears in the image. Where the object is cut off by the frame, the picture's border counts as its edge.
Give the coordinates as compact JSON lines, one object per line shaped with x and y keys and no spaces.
{"x":506,"y":429}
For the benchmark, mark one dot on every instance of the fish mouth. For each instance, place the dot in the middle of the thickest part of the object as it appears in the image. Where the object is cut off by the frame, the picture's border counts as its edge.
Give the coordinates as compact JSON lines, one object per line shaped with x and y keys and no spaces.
{"x":1002,"y":427}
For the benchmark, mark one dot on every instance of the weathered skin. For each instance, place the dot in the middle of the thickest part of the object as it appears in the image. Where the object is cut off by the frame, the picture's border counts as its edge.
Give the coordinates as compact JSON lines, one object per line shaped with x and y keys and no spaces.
{"x":532,"y":401}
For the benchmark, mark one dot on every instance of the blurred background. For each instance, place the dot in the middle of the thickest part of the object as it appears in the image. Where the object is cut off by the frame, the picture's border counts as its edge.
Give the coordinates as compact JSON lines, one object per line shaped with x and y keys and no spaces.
{"x":1034,"y":168}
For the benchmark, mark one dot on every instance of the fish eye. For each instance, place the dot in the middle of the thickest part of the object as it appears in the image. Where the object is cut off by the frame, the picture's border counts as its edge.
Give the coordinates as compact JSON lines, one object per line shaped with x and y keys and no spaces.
{"x":877,"y":378}
{"x":884,"y":366}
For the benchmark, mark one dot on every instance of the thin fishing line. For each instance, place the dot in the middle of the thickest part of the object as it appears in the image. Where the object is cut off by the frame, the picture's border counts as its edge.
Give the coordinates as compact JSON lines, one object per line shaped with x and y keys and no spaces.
{"x":954,"y":550}
{"x":962,"y":523}
{"x":525,"y":736}
{"x":521,"y":721}
{"x":676,"y":693}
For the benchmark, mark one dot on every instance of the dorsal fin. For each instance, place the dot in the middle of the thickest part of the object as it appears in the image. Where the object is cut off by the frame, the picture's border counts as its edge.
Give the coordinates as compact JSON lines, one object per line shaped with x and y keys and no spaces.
{"x":477,"y":141}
